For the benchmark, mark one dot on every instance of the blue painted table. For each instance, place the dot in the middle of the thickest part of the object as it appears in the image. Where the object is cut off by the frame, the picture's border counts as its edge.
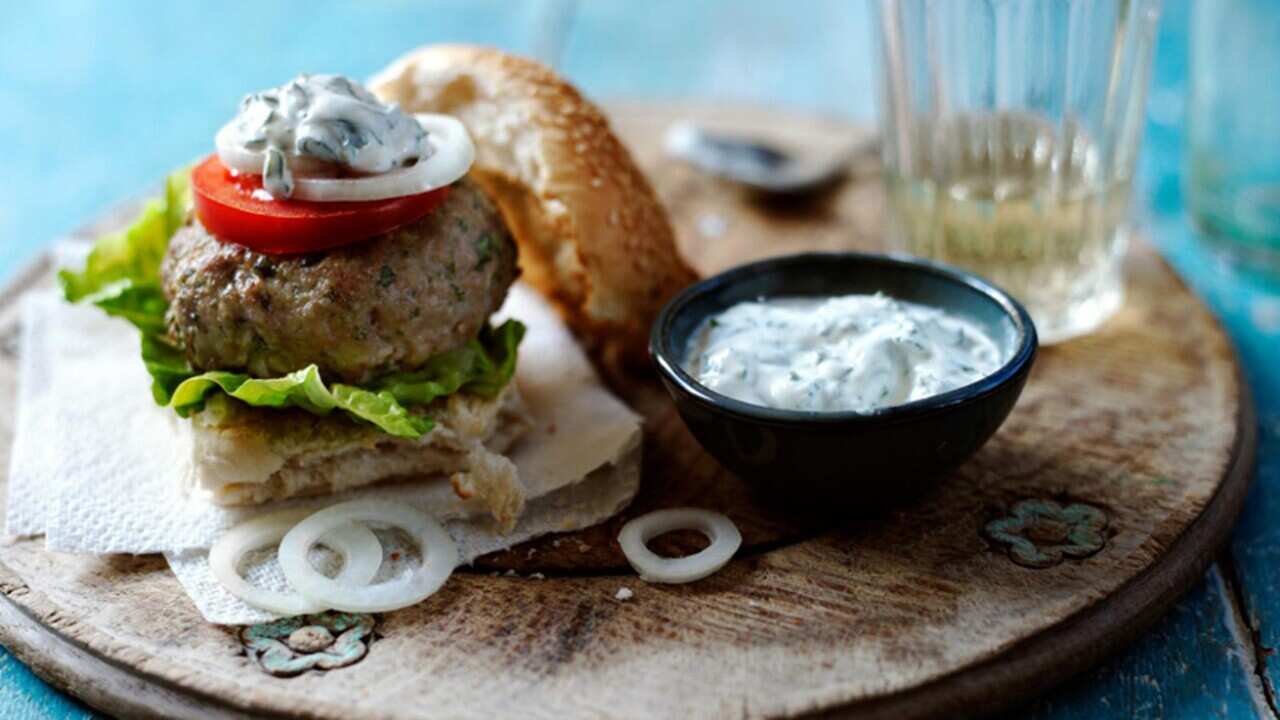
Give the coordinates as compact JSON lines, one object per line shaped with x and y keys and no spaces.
{"x":101,"y":99}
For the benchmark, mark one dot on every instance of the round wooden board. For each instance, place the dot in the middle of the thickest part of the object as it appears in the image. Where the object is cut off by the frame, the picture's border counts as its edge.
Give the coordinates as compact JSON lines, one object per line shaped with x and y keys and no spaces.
{"x":916,"y":613}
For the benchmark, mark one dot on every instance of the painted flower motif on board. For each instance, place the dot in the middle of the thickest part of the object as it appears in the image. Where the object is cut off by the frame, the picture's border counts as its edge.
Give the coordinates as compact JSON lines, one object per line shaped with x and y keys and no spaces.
{"x":1042,"y":533}
{"x":292,"y":646}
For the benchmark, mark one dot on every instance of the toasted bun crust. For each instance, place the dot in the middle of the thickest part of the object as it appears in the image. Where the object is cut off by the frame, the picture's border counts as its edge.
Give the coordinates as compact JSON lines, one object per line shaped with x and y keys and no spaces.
{"x":593,"y":236}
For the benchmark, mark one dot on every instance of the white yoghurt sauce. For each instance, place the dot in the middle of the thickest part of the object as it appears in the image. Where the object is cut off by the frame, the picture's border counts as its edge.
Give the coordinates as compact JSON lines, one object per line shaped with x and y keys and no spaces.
{"x":315,"y":123}
{"x":848,"y":353}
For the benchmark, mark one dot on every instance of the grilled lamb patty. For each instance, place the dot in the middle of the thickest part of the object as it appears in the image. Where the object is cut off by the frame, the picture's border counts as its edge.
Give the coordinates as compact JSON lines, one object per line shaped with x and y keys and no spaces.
{"x":357,"y":311}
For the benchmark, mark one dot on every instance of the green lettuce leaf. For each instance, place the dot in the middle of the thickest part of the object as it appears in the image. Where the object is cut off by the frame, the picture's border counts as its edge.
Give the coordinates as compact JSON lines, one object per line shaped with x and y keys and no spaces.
{"x":167,"y":366}
{"x":131,"y":258}
{"x":142,"y":304}
{"x":122,"y":277}
{"x":304,"y":389}
{"x":481,"y":367}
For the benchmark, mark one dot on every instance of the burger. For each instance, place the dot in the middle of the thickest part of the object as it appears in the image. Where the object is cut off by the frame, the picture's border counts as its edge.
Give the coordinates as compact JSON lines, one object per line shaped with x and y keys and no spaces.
{"x":316,"y":298}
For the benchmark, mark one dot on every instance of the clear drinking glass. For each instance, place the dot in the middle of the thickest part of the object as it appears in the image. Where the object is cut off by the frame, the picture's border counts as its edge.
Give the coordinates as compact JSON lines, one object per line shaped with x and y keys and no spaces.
{"x":1010,"y":132}
{"x":1233,"y":126}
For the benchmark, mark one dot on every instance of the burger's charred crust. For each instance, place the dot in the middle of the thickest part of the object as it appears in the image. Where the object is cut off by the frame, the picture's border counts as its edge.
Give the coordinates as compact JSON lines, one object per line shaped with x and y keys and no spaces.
{"x":358,"y":311}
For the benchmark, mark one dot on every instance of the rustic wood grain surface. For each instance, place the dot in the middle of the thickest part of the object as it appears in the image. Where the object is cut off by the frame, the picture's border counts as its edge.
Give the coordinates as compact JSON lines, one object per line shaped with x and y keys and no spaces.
{"x":917,"y":612}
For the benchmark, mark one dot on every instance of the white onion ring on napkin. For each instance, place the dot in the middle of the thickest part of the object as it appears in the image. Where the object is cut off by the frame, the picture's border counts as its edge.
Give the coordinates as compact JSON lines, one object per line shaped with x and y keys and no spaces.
{"x":439,"y":557}
{"x":359,"y":547}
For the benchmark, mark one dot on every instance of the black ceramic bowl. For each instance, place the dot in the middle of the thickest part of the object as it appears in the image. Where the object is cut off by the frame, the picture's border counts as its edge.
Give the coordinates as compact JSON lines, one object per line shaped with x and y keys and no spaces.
{"x":842,"y":460}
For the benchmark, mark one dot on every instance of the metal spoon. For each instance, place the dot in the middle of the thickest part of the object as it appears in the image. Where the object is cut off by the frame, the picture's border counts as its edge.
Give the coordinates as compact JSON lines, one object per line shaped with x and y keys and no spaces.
{"x":758,"y":165}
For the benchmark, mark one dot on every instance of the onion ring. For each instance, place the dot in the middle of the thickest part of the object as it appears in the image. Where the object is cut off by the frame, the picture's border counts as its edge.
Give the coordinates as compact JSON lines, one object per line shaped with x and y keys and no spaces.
{"x":439,"y":557}
{"x":359,"y":547}
{"x":249,"y":162}
{"x":720,"y":530}
{"x":452,"y":153}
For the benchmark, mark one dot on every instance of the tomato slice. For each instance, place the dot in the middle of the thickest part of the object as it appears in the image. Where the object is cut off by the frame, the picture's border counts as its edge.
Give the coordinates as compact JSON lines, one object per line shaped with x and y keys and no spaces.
{"x":226,"y":204}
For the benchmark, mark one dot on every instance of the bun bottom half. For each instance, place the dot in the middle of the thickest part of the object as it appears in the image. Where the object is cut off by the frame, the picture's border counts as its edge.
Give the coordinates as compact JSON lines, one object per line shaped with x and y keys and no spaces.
{"x":238,"y":455}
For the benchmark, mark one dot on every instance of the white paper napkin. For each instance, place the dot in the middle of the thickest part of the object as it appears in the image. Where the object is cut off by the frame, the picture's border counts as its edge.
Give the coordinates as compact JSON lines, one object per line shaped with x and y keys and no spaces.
{"x":32,"y":461}
{"x":94,"y":458}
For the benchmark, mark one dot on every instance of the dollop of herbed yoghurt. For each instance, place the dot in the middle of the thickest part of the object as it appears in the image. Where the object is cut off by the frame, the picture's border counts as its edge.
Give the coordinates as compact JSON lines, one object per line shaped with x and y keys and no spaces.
{"x":321,"y":125}
{"x":853,"y":353}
